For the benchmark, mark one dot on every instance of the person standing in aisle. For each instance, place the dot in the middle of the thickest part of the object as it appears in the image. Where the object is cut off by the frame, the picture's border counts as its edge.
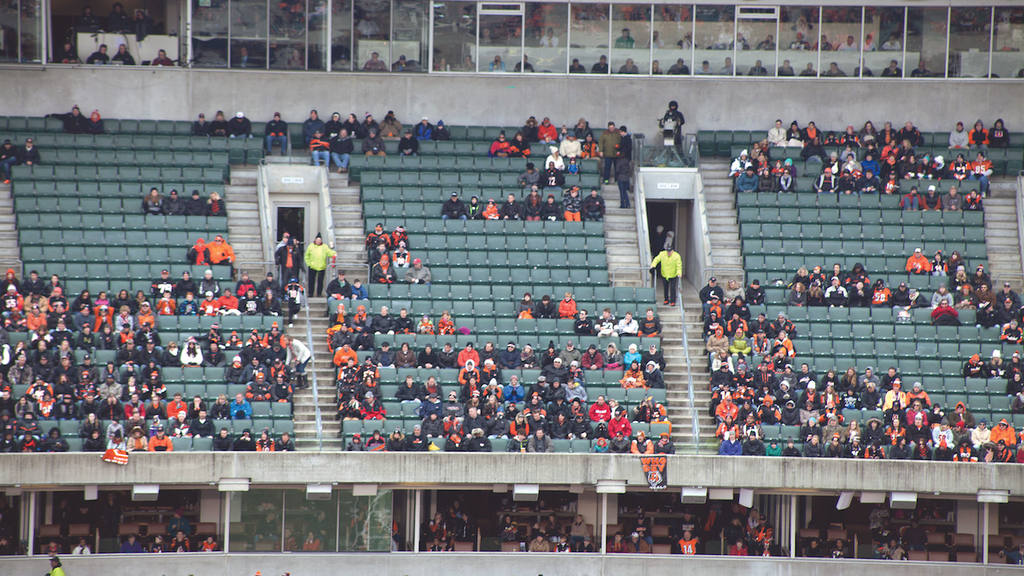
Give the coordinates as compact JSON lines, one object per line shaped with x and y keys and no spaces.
{"x":671,"y":272}
{"x":317,"y":256}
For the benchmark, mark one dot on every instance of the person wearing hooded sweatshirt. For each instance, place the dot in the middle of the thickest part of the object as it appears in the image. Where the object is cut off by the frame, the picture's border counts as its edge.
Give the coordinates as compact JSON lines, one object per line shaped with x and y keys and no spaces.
{"x":373,"y":144}
{"x":998,"y":136}
{"x":382,"y":272}
{"x":978,"y":136}
{"x":289,"y":259}
{"x":958,"y":137}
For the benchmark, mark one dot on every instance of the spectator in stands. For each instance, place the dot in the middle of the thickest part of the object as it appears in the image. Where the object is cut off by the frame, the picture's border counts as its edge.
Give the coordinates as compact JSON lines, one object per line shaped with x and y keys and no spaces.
{"x":276,"y":131}
{"x":373,"y":144}
{"x":407,"y":145}
{"x":317,"y":256}
{"x":240,"y":126}
{"x":99,"y":56}
{"x":161,"y":59}
{"x":8,"y":159}
{"x":341,"y":148}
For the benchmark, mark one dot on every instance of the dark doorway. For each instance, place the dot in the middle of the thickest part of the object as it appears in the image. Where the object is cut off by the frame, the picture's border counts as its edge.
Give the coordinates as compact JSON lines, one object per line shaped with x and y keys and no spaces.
{"x":293,"y":221}
{"x":663,"y":215}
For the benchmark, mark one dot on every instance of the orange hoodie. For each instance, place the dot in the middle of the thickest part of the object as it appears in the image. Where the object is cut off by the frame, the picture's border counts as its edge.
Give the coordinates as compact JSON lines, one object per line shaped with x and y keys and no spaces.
{"x":1008,"y":435}
{"x":918,"y":263}
{"x":221,"y":251}
{"x":567,"y":308}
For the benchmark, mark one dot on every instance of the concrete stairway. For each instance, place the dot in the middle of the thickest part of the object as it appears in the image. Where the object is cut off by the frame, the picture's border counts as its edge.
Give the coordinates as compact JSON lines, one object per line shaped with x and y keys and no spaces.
{"x":304,"y":407}
{"x":244,"y":231}
{"x":620,"y":244}
{"x":347,"y":210}
{"x":726,"y":250}
{"x":681,"y":410}
{"x":10,"y":251}
{"x":1002,"y":238}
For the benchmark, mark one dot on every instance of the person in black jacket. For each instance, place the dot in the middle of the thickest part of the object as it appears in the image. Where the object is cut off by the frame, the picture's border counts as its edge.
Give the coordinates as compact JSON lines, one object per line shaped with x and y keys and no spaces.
{"x":333,"y":126}
{"x":201,"y":127}
{"x":454,"y":209}
{"x":240,"y":126}
{"x":447,"y":357}
{"x":276,"y":131}
{"x":185,"y":285}
{"x":74,"y":121}
{"x":222,"y":442}
{"x":342,"y":146}
{"x":195,"y":206}
{"x":593,"y":207}
{"x":29,"y":154}
{"x":407,"y":145}
{"x":511,"y":209}
{"x":551,"y":210}
{"x":8,"y":159}
{"x":553,"y":177}
{"x":245,"y":443}
{"x":173,"y":205}
{"x":202,"y":426}
{"x":219,"y":126}
{"x":545,"y":308}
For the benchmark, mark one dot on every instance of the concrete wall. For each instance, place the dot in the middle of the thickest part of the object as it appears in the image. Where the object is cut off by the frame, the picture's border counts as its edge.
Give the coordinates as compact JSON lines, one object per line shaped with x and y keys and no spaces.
{"x":492,"y":564}
{"x":485,"y":470}
{"x":707,"y":103}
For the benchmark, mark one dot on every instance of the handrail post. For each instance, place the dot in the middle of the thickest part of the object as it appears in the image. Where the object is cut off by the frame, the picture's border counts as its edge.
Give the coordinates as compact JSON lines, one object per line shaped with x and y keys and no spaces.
{"x":690,"y":395}
{"x":313,"y":387}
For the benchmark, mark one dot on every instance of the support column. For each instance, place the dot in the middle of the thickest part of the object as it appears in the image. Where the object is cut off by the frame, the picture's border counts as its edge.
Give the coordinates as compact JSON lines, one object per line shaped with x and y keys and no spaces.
{"x":792,"y":526}
{"x":417,"y":520}
{"x":604,"y":523}
{"x":227,"y":521}
{"x":31,"y":522}
{"x":984,"y":532}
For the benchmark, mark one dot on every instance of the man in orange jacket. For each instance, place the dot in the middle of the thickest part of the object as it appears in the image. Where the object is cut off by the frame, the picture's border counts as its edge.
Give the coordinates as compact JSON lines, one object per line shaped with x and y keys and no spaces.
{"x":1003,"y":431}
{"x":918,"y":264}
{"x":220,"y":251}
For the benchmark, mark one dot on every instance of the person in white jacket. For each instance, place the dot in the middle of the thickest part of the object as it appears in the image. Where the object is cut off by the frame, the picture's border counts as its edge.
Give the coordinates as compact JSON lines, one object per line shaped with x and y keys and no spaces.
{"x":555,"y":157}
{"x":627,"y":325}
{"x":739,"y":165}
{"x":299,"y":357}
{"x":570,"y":147}
{"x":777,"y":135}
{"x":192,"y":355}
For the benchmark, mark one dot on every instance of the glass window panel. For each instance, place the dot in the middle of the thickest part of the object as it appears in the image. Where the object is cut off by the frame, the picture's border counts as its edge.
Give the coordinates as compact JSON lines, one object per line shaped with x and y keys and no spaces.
{"x":500,"y":42}
{"x":926,"y":42}
{"x":312,"y":521}
{"x":288,"y":34}
{"x":9,"y":32}
{"x":713,"y":38}
{"x":838,"y":48}
{"x":883,"y":41}
{"x":673,"y":38}
{"x":210,"y":34}
{"x":365,"y":522}
{"x":372,"y":35}
{"x":288,"y":55}
{"x":256,"y":520}
{"x":341,"y":35}
{"x":455,"y":36}
{"x":410,"y":36}
{"x":589,"y":38}
{"x":969,"y":30}
{"x":31,"y":30}
{"x":248,"y":53}
{"x":316,"y":33}
{"x":755,"y":47}
{"x":631,"y":28}
{"x":248,"y":19}
{"x":546,"y":41}
{"x":798,"y":34}
{"x":1008,"y":43}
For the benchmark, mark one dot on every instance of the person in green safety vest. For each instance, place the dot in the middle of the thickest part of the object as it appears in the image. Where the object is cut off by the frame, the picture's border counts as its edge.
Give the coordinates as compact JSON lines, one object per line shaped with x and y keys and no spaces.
{"x":671,"y":272}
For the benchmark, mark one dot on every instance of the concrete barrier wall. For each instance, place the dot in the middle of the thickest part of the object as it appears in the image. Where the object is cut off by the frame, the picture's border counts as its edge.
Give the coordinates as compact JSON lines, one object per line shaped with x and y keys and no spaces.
{"x":485,"y":470}
{"x":707,"y":103}
{"x":476,"y":564}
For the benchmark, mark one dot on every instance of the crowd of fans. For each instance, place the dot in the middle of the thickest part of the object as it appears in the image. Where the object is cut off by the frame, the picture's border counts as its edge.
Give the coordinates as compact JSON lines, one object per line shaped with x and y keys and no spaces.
{"x":754,"y":382}
{"x":869,"y":161}
{"x":50,"y":375}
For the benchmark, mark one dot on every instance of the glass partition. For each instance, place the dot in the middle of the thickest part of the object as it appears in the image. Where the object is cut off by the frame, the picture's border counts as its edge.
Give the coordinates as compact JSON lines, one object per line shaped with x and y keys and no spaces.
{"x":341,"y":35}
{"x":210,"y":34}
{"x":455,"y":36}
{"x":31,"y":30}
{"x":838,"y":47}
{"x":969,"y":42}
{"x":501,"y":43}
{"x":546,"y":42}
{"x":9,"y":33}
{"x":713,"y":36}
{"x":318,"y":46}
{"x":588,"y":38}
{"x":883,"y":40}
{"x":631,"y":28}
{"x":248,"y":33}
{"x":287,"y":36}
{"x":372,"y":35}
{"x":310,"y":525}
{"x":798,"y":35}
{"x":926,"y":43}
{"x":410,"y":40}
{"x":672,"y":45}
{"x":755,"y":46}
{"x":1008,"y":44}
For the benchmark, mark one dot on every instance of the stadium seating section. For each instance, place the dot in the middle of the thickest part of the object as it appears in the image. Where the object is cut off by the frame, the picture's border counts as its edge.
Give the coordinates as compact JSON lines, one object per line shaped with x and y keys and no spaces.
{"x":79,"y":215}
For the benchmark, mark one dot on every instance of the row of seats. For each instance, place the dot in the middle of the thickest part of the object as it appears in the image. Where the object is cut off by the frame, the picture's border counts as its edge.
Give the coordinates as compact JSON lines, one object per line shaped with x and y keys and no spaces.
{"x":624,"y":296}
{"x":138,"y":274}
{"x":881,"y":320}
{"x":502,"y":313}
{"x":160,"y":158}
{"x":474,"y":230}
{"x":81,"y":207}
{"x":131,"y":193}
{"x":104,"y":143}
{"x":120,"y":237}
{"x":833,"y":218}
{"x":507,"y":181}
{"x":393,"y":196}
{"x":994,"y":154}
{"x":502,"y":274}
{"x":464,"y":163}
{"x":894,"y":253}
{"x":156,"y":225}
{"x":721,"y":142}
{"x":129,"y":174}
{"x":953,"y":230}
{"x":808,"y":199}
{"x":783,"y":268}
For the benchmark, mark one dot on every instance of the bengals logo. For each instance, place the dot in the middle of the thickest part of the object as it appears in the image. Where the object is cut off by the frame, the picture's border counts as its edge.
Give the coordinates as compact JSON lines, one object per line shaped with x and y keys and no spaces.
{"x":654,"y":468}
{"x":653,"y":478}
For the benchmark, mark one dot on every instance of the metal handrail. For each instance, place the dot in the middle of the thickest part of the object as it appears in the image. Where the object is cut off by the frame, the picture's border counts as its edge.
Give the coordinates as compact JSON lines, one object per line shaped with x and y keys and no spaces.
{"x":1019,"y":195}
{"x":313,"y":387}
{"x":690,"y":396}
{"x":640,"y":207}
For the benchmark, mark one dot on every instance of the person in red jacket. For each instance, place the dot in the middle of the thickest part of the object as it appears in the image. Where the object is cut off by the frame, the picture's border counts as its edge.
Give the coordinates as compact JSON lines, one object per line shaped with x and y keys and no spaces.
{"x":468,"y":353}
{"x":600,"y":411}
{"x":620,"y":423}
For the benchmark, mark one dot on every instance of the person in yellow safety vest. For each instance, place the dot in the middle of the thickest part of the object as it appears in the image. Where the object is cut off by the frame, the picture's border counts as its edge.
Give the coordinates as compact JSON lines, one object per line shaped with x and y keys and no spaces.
{"x":671,"y":272}
{"x":317,"y":256}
